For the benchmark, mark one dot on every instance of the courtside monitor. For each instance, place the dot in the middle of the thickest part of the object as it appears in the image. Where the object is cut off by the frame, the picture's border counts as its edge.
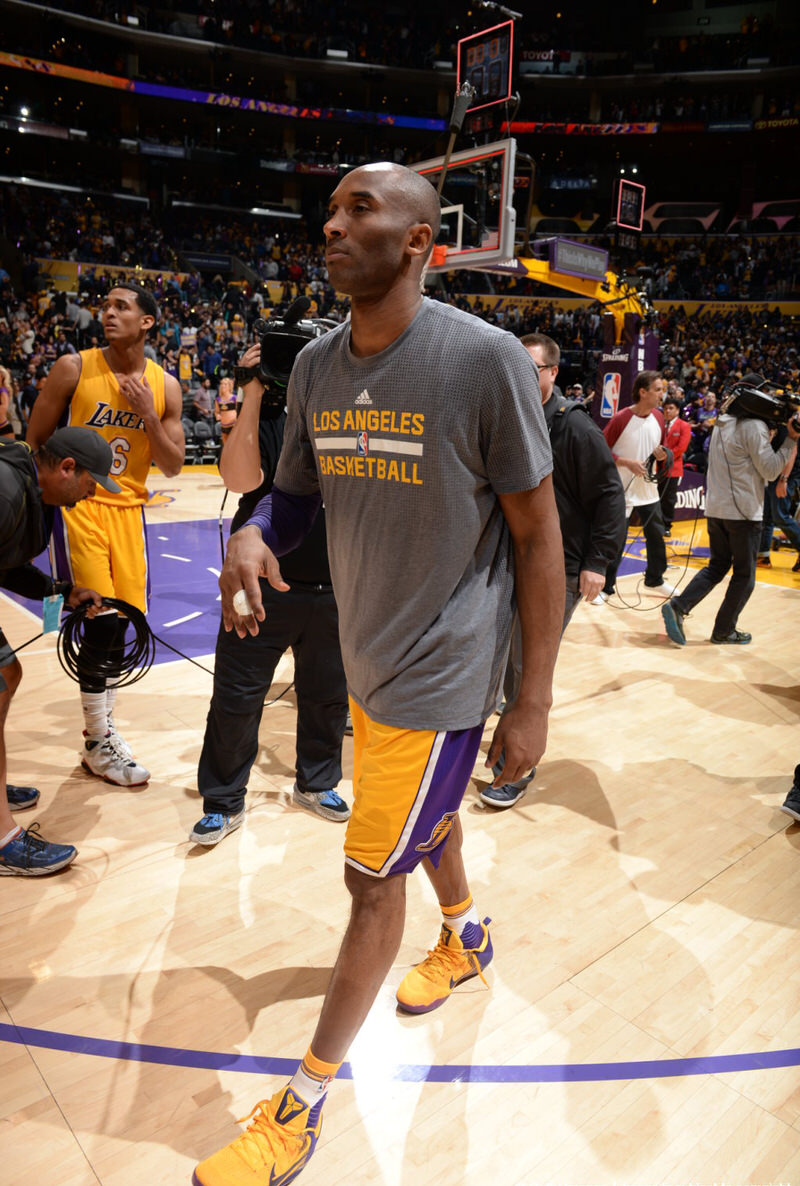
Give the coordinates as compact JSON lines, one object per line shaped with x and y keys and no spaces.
{"x":477,"y":200}
{"x":630,"y":205}
{"x":485,"y":60}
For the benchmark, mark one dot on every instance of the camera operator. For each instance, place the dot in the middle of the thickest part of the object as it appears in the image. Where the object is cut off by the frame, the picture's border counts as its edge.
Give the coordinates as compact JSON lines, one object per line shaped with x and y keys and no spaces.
{"x":305,"y":619}
{"x":741,"y":461}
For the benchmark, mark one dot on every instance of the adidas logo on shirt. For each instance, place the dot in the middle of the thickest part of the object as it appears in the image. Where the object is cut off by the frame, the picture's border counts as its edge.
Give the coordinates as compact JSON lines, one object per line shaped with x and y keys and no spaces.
{"x":363,"y":400}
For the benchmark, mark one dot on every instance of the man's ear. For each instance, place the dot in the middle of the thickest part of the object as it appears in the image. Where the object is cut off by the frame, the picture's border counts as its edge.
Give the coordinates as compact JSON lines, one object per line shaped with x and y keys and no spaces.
{"x":67,"y":467}
{"x":148,"y":321}
{"x":420,"y":236}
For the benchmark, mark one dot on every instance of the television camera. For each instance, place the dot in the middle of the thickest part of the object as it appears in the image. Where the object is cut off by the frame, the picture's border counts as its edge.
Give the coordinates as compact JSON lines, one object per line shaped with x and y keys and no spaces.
{"x":753,"y":397}
{"x":281,"y":339}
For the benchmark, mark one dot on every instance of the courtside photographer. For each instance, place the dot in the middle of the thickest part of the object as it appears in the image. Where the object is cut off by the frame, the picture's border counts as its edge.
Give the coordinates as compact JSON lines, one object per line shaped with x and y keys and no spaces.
{"x":741,"y":461}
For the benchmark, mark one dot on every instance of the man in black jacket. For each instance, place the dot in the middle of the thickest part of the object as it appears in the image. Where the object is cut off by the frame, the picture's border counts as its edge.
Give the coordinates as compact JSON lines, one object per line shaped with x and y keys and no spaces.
{"x":63,"y":471}
{"x":305,"y":619}
{"x":591,"y":510}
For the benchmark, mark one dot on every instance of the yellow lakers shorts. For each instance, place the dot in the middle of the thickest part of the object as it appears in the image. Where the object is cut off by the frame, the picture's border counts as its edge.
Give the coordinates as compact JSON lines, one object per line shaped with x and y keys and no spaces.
{"x":407,"y":788}
{"x":103,"y":547}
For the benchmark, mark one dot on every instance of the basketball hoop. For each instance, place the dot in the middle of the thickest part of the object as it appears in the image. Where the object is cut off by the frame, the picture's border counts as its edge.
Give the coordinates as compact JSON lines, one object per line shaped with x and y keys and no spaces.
{"x":439,"y":255}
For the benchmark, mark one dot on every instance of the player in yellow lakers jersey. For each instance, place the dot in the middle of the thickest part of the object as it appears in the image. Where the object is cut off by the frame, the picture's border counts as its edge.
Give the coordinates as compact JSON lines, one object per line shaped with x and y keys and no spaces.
{"x":101,"y":543}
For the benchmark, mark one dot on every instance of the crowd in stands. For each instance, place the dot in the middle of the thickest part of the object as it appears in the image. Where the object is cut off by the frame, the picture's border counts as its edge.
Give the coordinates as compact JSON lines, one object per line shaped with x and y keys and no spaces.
{"x":418,"y":34}
{"x":700,"y":353}
{"x":722,"y":269}
{"x":205,"y":324}
{"x":99,"y":230}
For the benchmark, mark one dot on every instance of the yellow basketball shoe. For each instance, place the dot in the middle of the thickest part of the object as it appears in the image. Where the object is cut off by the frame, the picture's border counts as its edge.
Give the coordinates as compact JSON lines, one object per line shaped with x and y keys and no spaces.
{"x":450,"y":963}
{"x":274,"y":1149}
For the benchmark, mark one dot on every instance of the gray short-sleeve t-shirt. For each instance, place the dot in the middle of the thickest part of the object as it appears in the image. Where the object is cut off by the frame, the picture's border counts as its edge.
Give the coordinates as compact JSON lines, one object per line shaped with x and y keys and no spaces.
{"x":410,"y":448}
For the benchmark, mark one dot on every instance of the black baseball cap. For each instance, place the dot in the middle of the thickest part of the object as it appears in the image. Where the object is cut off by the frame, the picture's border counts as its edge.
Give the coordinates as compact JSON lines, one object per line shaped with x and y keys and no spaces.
{"x":88,"y":449}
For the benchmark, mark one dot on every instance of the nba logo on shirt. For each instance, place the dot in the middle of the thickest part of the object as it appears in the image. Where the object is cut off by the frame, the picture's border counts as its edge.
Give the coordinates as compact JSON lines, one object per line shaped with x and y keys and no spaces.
{"x":611,"y":385}
{"x":362,"y":445}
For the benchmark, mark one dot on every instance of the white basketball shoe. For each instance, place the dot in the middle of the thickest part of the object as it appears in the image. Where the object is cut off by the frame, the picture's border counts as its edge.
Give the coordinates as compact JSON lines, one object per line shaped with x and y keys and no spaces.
{"x":104,"y":757}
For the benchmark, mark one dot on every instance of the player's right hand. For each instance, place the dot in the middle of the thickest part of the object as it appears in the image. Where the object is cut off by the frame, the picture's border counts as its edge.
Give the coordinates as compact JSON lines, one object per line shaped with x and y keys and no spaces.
{"x":247,"y":559}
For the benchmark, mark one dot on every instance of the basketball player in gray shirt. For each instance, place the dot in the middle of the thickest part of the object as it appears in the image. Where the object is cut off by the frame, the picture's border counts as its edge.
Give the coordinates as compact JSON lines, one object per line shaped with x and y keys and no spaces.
{"x":413,"y":423}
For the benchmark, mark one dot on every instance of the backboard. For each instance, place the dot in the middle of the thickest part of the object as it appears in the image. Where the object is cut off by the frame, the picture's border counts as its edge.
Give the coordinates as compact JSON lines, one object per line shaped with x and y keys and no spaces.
{"x":478,"y":217}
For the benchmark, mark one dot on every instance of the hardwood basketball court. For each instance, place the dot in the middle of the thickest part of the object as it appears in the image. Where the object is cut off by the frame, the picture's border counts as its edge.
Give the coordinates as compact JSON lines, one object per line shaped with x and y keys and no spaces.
{"x":642,"y":1019}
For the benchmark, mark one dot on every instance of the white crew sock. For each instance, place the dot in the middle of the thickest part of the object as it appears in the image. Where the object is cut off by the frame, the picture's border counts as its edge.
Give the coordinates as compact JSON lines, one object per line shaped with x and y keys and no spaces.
{"x":9,"y":836}
{"x":95,"y":715}
{"x":111,"y":697}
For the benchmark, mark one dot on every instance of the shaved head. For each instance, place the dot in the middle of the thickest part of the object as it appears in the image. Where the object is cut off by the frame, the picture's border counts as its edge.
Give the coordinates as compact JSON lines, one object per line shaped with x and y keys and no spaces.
{"x":382,"y":223}
{"x":417,"y":197}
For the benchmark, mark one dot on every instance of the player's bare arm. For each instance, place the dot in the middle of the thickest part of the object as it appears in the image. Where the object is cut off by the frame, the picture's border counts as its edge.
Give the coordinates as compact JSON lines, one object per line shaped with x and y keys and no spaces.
{"x":167,"y":443}
{"x":52,"y":400}
{"x":521,"y":735}
{"x":247,"y":559}
{"x":239,"y":465}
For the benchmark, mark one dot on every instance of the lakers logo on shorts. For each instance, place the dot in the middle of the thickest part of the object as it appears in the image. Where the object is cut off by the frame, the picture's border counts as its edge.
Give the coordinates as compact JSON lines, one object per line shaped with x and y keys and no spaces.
{"x":439,"y":833}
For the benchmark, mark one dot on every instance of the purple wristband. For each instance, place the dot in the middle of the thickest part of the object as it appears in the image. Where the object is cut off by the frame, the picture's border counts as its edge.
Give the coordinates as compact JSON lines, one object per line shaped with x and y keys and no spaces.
{"x":284,"y":520}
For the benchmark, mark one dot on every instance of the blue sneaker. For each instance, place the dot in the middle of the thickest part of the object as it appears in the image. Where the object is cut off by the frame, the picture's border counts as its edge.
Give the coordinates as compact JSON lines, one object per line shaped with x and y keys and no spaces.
{"x":504,"y":796}
{"x":22,"y":798}
{"x":328,"y":804}
{"x":28,"y":855}
{"x":673,"y":621}
{"x":212,"y":827}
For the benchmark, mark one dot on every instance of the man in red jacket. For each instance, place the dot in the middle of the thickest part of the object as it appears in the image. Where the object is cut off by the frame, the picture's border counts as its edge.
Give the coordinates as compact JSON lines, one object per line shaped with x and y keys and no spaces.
{"x":634,"y":435}
{"x":677,"y":438}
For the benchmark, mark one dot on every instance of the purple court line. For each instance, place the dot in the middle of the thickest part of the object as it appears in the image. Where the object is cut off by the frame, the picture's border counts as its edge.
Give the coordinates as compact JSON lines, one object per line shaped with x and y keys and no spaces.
{"x":597,"y":1072}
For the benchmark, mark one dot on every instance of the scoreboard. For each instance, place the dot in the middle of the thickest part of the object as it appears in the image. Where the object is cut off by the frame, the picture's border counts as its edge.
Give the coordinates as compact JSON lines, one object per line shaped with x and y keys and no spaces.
{"x":485,"y":60}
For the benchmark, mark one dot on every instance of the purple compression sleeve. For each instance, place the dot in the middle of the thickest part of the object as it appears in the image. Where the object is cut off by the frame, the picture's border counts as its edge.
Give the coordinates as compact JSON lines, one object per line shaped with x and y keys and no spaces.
{"x":284,"y":520}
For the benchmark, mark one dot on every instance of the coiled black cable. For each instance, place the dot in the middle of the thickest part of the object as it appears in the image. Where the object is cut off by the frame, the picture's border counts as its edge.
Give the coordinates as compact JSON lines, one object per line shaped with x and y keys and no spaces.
{"x":130,"y":662}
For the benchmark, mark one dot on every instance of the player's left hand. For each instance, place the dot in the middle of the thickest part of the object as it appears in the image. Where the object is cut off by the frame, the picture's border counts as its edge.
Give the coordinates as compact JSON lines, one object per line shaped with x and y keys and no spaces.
{"x":659,"y":453}
{"x":139,"y":395}
{"x":79,"y":595}
{"x":521,"y":737}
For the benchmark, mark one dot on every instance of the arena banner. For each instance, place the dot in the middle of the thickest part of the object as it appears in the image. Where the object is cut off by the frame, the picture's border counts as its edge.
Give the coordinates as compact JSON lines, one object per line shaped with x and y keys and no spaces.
{"x":691,"y":500}
{"x":58,"y":69}
{"x":221,"y":99}
{"x":491,"y":304}
{"x":495,"y":304}
{"x":775,"y":123}
{"x":709,"y":308}
{"x":551,"y":127}
{"x":65,"y":274}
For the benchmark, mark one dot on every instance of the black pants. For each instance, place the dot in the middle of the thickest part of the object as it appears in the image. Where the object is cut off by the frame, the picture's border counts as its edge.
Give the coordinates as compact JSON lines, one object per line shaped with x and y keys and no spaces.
{"x":652,"y":522}
{"x":668,"y":490}
{"x":308,"y":622}
{"x":732,"y":542}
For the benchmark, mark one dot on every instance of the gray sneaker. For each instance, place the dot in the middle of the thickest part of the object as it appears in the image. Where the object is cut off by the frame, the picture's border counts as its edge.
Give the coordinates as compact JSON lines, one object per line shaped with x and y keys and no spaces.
{"x":213,"y":826}
{"x":791,"y":804}
{"x":328,"y":804}
{"x":504,"y":796}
